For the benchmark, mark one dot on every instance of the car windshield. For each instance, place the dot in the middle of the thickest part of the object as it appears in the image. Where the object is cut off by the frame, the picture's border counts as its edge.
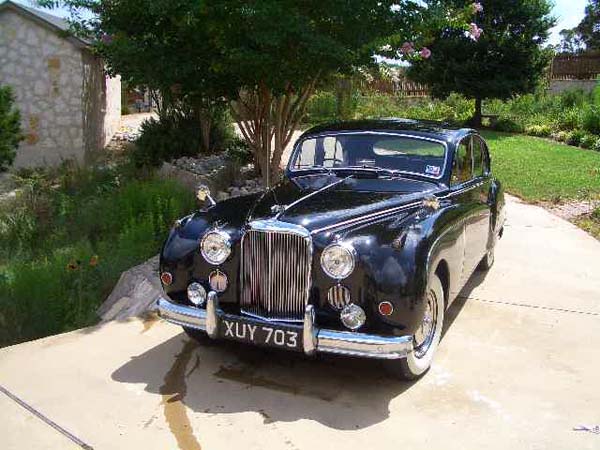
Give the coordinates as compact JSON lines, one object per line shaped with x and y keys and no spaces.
{"x":371,"y":151}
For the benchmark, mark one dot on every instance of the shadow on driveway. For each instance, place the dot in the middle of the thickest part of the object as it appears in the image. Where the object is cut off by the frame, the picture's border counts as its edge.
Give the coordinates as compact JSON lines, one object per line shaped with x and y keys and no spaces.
{"x":227,"y":378}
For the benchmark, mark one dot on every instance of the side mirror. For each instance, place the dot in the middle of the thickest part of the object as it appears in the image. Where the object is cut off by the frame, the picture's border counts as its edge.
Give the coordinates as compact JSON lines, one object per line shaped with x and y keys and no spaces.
{"x":203,"y":196}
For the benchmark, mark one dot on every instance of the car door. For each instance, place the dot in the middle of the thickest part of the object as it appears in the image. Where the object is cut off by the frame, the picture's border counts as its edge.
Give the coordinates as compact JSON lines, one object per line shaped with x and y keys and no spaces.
{"x":480,"y":222}
{"x":465,"y":200}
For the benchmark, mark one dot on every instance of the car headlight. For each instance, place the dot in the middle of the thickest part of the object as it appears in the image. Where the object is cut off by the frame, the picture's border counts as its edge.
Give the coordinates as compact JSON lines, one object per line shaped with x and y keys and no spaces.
{"x":337,"y":260}
{"x":215,"y":247}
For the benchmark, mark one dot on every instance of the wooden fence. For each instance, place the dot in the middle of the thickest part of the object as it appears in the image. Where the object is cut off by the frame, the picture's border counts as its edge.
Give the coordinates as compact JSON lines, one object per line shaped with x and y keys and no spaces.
{"x":575,"y":67}
{"x":402,"y":87}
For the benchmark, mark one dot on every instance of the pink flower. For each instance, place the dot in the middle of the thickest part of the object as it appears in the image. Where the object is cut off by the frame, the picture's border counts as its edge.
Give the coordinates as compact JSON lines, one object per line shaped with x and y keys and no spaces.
{"x":425,"y":53}
{"x":475,"y":31}
{"x":477,"y":7}
{"x":407,"y":48}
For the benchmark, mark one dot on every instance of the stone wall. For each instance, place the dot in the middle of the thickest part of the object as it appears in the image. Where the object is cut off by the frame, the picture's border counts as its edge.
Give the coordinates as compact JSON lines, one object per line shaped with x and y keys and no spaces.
{"x":44,"y":71}
{"x":69,"y":108}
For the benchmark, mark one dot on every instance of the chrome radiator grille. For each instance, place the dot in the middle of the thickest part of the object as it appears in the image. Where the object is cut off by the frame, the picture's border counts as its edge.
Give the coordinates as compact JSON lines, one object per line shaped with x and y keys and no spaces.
{"x":275,"y":274}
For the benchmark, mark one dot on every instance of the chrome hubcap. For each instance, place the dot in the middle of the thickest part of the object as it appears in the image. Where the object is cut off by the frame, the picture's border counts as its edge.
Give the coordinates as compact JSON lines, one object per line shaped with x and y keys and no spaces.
{"x":424,"y":335}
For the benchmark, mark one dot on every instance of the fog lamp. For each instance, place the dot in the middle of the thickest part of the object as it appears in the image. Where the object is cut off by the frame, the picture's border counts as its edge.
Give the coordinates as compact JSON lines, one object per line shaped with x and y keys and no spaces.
{"x":196,"y":294}
{"x":353,"y":316}
{"x":218,"y":281}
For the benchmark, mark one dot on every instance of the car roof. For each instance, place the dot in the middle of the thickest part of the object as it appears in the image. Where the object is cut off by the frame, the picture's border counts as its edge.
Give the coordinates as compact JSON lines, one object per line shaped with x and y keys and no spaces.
{"x":424,"y":128}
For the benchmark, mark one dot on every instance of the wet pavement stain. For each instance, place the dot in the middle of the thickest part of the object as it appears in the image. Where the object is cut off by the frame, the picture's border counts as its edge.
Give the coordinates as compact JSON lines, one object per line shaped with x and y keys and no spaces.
{"x":148,"y":321}
{"x":246,"y":376}
{"x":173,"y":392}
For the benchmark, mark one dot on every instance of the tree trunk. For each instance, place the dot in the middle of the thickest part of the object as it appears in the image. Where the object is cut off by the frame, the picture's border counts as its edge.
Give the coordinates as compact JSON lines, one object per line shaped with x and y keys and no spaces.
{"x":204,"y":118}
{"x":476,"y":120}
{"x":268,"y":121}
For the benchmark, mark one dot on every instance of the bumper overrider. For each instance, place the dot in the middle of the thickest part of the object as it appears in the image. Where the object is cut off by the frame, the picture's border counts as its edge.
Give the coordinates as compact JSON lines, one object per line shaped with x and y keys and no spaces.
{"x":314,"y":339}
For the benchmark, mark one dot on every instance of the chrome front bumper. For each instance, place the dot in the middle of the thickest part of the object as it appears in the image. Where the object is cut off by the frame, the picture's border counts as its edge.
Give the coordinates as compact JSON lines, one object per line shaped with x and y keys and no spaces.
{"x":315,"y":340}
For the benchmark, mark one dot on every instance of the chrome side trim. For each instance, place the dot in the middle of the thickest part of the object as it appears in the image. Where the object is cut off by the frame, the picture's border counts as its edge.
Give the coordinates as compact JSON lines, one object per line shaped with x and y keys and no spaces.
{"x":386,"y":212}
{"x":315,"y":340}
{"x":372,"y":216}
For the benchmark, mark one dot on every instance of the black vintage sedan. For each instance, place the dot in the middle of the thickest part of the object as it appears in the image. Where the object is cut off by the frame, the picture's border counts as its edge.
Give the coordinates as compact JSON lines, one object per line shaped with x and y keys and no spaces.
{"x":359,"y":251}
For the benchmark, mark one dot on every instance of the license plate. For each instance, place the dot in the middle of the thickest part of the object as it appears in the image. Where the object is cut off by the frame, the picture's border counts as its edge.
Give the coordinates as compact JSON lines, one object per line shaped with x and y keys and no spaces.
{"x":260,"y":333}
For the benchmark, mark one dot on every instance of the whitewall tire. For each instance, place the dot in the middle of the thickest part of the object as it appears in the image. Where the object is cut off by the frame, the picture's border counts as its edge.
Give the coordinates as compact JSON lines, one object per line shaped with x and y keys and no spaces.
{"x":427,"y":338}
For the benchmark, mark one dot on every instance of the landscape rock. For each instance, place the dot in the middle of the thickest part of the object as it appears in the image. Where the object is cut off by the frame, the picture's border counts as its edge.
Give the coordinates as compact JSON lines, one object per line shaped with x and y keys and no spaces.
{"x":136,"y":293}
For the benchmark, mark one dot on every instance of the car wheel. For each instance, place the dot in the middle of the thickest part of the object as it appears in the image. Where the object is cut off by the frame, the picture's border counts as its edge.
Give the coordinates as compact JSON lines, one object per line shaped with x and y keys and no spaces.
{"x":199,"y":336}
{"x":488,"y":260}
{"x":426,"y":338}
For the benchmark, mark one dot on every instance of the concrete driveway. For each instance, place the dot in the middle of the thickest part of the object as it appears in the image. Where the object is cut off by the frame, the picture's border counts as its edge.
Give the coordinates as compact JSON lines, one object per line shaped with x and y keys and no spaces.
{"x":518,"y":368}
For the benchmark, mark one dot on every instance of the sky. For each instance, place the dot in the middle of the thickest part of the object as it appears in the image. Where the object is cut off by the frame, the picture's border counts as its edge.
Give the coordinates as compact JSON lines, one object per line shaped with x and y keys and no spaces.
{"x":567,"y":12}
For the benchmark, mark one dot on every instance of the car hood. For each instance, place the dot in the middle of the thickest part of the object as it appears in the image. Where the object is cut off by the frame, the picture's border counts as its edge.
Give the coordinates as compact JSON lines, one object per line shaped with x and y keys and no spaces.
{"x":319,"y":202}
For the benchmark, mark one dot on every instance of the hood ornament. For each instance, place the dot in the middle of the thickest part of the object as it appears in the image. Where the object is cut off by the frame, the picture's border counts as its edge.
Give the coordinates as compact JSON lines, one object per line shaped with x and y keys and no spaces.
{"x":278,"y":209}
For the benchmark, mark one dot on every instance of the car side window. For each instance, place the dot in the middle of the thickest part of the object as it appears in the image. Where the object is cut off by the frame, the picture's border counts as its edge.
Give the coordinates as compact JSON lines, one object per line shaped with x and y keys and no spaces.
{"x":462,"y":164}
{"x":333,"y":152}
{"x":478,"y":157}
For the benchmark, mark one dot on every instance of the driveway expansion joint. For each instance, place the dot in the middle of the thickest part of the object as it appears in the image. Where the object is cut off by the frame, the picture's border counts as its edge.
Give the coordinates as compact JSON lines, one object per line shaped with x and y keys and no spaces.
{"x":45,"y":419}
{"x":527,"y":305}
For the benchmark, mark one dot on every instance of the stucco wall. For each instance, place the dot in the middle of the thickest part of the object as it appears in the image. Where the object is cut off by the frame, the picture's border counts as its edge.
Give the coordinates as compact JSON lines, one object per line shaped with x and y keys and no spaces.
{"x":112,"y":117}
{"x":558,"y":86}
{"x":44,"y":71}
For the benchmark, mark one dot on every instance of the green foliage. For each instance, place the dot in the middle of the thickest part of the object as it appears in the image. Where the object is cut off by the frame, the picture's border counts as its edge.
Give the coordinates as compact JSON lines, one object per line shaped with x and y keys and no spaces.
{"x":65,"y":240}
{"x":10,"y":128}
{"x":508,"y":125}
{"x":572,"y":117}
{"x":590,"y":119}
{"x":178,"y":134}
{"x":588,"y":141}
{"x":588,"y":27}
{"x":322,"y":107}
{"x":574,"y":137}
{"x":239,"y":151}
{"x":506,"y":60}
{"x":538,"y":130}
{"x":454,"y":110}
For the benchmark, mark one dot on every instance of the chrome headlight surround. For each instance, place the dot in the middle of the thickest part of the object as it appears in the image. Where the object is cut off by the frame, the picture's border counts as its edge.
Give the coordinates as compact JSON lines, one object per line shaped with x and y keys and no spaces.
{"x":338,"y":260}
{"x":215,"y":247}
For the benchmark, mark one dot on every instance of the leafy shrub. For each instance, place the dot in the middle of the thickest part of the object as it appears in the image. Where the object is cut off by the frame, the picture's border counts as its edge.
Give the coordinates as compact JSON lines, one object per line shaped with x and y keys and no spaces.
{"x":590,"y":119}
{"x":322,"y":107}
{"x":588,"y":141}
{"x":176,"y":135}
{"x":10,"y":128}
{"x":538,"y":130}
{"x":66,"y":239}
{"x":379,"y":105}
{"x":596,"y":146}
{"x":165,"y":139}
{"x":560,"y":136}
{"x":569,"y":119}
{"x":508,"y":125}
{"x":239,"y":151}
{"x":574,"y":137}
{"x":574,"y":98}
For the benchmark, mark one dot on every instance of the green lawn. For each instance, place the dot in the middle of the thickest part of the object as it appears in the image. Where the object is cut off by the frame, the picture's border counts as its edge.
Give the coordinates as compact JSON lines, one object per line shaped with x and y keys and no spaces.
{"x":537,"y":169}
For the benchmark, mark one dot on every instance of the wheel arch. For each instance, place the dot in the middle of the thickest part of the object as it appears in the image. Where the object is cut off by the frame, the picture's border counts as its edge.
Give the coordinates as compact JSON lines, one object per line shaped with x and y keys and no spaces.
{"x":443,"y":273}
